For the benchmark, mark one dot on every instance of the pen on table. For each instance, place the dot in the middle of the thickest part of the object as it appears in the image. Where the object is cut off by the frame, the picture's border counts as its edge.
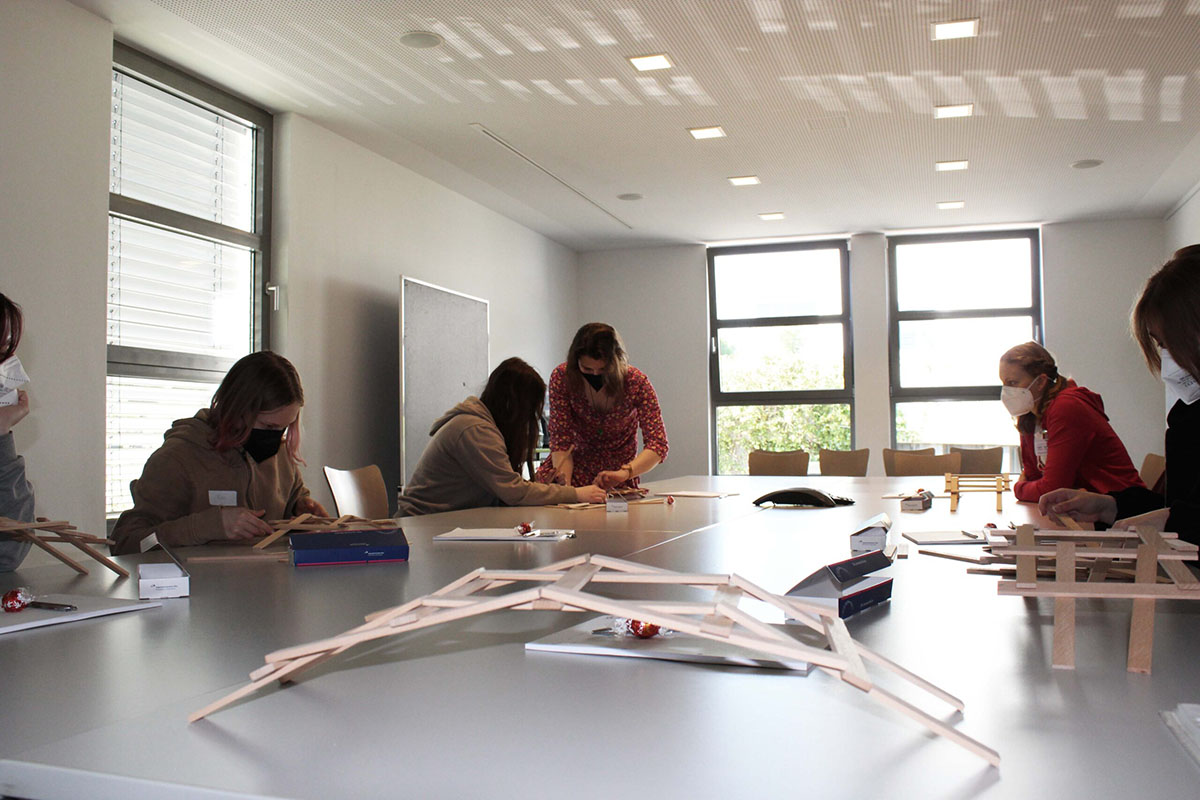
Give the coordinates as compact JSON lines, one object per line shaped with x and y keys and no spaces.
{"x":52,"y":606}
{"x":972,"y":535}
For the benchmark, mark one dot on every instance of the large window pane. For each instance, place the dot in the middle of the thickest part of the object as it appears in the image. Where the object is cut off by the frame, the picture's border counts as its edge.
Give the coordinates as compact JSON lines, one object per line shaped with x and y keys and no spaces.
{"x":139,"y":411}
{"x":176,"y":154}
{"x":167,"y":291}
{"x":958,"y":352}
{"x":781,"y":358}
{"x":962,"y":275}
{"x":792,"y":283}
{"x":741,"y":429}
{"x":958,"y":423}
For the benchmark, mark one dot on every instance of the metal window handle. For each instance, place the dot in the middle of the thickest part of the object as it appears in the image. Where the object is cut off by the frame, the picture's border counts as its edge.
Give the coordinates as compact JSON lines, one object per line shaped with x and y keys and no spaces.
{"x":273,"y":290}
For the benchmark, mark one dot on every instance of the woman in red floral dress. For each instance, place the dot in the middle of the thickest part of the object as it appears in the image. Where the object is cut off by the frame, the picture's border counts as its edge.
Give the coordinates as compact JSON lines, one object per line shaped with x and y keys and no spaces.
{"x":597,"y":404}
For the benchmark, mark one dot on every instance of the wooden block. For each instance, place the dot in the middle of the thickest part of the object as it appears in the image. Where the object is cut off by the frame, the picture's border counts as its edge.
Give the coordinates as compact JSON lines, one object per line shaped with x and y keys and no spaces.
{"x":902,"y":550}
{"x":1141,"y":626}
{"x":1026,"y":564}
{"x":1064,"y":610}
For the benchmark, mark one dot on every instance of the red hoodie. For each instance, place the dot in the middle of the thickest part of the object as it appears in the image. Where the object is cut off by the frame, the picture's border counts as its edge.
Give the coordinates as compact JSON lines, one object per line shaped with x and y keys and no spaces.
{"x":1082,"y":450}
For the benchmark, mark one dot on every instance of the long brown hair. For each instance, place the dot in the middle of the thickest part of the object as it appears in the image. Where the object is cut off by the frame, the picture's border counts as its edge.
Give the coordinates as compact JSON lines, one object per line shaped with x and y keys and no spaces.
{"x":601,"y":342}
{"x":514,"y":396}
{"x":1035,"y":360}
{"x":11,"y":325}
{"x":1170,"y":302}
{"x":262,"y":381}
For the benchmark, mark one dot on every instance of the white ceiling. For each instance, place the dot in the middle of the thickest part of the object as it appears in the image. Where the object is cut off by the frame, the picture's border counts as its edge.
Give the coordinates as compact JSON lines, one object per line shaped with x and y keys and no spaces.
{"x":828,"y":101}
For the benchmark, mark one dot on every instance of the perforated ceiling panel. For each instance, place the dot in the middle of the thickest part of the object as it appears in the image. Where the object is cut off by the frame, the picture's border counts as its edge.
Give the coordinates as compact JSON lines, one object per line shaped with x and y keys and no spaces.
{"x":829,"y":102}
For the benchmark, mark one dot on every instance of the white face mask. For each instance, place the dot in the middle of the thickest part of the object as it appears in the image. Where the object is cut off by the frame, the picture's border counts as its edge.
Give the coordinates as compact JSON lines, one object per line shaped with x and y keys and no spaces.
{"x":12,"y":376}
{"x":1179,"y":379}
{"x":1017,"y":400}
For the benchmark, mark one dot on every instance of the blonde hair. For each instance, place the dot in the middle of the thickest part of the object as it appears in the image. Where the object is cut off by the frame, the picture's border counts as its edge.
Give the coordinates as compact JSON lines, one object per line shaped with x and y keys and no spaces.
{"x":1035,"y":360}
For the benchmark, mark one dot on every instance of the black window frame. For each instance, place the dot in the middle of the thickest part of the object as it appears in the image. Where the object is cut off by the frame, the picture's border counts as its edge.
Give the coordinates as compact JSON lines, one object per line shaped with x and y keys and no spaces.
{"x":1035,"y":311}
{"x":718,"y":398}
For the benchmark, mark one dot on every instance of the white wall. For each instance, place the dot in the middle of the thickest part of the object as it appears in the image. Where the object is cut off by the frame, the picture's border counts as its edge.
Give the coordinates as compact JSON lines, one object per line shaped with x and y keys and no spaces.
{"x":348,"y":223}
{"x":1092,"y":272}
{"x":657,"y":298}
{"x":56,"y":61}
{"x":1183,"y":226}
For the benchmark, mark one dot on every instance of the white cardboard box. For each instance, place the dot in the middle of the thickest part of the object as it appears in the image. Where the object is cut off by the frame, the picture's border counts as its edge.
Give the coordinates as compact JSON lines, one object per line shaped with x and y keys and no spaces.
{"x":164,"y":578}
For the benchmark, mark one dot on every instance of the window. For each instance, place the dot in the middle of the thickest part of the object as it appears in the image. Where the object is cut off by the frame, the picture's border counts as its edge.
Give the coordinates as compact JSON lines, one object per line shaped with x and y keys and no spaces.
{"x":188,"y":208}
{"x":957,"y":304}
{"x":781,"y":366}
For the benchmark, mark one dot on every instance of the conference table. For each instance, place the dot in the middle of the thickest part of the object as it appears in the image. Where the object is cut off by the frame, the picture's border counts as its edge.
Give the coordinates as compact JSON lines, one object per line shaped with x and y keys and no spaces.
{"x":98,"y":708}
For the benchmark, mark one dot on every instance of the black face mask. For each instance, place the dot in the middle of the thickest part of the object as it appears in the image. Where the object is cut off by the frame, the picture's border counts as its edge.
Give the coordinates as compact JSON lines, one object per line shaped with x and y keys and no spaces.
{"x":597,"y":381}
{"x":263,"y":443}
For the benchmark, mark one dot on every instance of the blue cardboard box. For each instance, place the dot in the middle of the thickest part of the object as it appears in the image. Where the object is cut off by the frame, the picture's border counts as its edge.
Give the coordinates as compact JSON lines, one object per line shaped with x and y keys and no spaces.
{"x":348,"y":547}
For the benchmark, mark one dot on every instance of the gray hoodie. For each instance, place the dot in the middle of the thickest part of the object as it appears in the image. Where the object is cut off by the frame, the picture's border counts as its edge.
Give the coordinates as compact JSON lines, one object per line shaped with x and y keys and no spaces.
{"x":465,"y":465}
{"x":16,"y":501}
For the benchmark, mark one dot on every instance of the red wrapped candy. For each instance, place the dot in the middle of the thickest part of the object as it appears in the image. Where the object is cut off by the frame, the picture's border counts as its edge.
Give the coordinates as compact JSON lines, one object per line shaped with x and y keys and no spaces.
{"x":525,"y":527}
{"x":17,"y":599}
{"x":643,"y":630}
{"x":670,"y":500}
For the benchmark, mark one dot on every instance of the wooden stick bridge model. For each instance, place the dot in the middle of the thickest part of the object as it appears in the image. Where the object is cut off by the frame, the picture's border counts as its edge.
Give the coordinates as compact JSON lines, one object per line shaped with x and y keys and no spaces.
{"x":562,"y":587}
{"x":60,"y":533}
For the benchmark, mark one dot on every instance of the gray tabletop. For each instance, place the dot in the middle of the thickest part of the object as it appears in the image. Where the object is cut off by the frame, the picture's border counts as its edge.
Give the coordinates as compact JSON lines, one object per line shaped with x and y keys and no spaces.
{"x":98,"y":708}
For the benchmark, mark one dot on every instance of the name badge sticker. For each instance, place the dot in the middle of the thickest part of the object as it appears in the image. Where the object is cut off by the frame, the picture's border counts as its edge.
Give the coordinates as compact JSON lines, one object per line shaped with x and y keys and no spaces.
{"x":1040,"y":447}
{"x":222,"y":498}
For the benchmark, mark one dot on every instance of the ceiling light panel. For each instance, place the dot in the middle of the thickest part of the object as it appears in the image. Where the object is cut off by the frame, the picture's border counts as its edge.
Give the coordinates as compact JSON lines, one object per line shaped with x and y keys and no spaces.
{"x":714,"y":132}
{"x":950,"y":112}
{"x":771,"y":216}
{"x":948,"y":205}
{"x":949,"y":166}
{"x":648,"y":63}
{"x":957,"y":29}
{"x":745,"y":180}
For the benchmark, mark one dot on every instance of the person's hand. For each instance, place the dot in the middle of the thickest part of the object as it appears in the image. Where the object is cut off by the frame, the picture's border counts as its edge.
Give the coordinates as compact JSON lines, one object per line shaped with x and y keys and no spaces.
{"x":243,"y":523}
{"x":1156,"y":519}
{"x":11,"y":415}
{"x":589,"y":494}
{"x":307,"y":505}
{"x":1079,"y":505}
{"x":612,"y":478}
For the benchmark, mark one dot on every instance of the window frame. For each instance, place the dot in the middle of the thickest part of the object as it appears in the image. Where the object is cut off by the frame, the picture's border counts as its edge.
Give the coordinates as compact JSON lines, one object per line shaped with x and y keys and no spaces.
{"x":138,"y":362}
{"x":720,"y":399}
{"x":899,"y":394}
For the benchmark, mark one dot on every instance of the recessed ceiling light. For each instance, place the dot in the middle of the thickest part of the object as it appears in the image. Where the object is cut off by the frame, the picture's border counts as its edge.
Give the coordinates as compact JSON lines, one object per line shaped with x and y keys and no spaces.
{"x":947,"y":112}
{"x":947,"y":205}
{"x":1087,"y":163}
{"x":957,"y":29}
{"x":421,"y":40}
{"x":648,"y":63}
{"x":770,"y":216}
{"x":629,"y":196}
{"x":714,"y":132}
{"x":949,"y":166}
{"x":745,"y":180}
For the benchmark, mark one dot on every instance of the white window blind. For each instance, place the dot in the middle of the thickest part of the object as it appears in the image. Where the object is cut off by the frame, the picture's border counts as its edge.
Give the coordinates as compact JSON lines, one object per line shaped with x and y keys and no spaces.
{"x":178,"y":155}
{"x":140,"y":410}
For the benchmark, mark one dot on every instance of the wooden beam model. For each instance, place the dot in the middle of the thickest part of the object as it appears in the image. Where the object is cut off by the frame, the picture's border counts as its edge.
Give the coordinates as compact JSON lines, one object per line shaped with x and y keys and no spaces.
{"x":307,"y":523}
{"x":1062,"y":556}
{"x":957,"y":484}
{"x":563,"y":586}
{"x":44,"y":532}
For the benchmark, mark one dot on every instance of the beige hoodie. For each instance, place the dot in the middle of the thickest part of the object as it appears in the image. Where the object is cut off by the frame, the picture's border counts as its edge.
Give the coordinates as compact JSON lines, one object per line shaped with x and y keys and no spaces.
{"x":465,"y":465}
{"x":173,"y":497}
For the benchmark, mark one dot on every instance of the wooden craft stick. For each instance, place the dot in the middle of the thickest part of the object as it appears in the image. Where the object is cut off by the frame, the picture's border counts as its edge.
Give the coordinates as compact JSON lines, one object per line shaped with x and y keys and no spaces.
{"x":622,"y":565}
{"x":720,"y":622}
{"x":1026,"y":564}
{"x":103,"y":559}
{"x":953,"y":734}
{"x":913,"y":678}
{"x":1141,"y":625}
{"x":572,"y":580}
{"x":75,"y":565}
{"x":1115,"y":591}
{"x":287,"y":526}
{"x":274,"y":556}
{"x":1116,"y":553}
{"x":1184,"y":578}
{"x":840,"y":642}
{"x":1063,"y":656}
{"x":950,"y":556}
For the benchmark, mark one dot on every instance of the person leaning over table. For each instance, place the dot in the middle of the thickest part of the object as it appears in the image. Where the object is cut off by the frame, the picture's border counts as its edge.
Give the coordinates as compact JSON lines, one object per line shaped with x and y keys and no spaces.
{"x":597,"y":404}
{"x":478,"y":448}
{"x":16,"y":495}
{"x":1166,"y":324}
{"x":1066,"y":439}
{"x":220,"y":474}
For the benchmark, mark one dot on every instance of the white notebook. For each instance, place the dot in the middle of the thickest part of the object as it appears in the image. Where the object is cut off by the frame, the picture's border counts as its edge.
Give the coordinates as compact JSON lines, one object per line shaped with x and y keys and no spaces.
{"x":86,"y":607}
